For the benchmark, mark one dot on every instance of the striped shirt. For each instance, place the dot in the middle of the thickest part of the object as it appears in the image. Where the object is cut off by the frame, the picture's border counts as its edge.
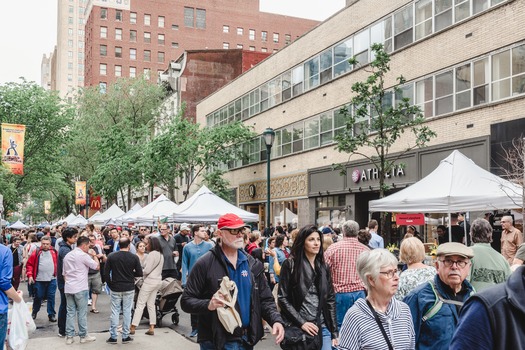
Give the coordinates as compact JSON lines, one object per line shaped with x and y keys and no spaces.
{"x":360,"y":330}
{"x":341,"y":257}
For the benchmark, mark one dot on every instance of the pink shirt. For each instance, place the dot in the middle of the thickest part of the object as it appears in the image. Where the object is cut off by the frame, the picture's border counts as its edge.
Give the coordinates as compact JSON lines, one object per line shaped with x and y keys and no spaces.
{"x":76,"y":267}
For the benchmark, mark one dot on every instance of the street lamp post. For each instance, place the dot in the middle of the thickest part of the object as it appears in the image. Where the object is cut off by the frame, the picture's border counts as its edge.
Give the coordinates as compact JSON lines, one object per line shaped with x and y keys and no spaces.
{"x":269,"y":137}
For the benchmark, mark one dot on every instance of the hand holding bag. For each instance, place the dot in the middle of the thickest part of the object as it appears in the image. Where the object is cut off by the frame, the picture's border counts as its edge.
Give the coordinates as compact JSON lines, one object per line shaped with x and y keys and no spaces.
{"x":228,"y":315}
{"x":21,"y":324}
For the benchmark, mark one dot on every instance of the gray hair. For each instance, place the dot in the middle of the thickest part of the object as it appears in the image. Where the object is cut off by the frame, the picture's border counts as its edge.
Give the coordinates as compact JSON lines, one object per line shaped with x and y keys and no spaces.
{"x":350,"y":228}
{"x":370,"y":262}
{"x":481,"y":231}
{"x":508,"y":218}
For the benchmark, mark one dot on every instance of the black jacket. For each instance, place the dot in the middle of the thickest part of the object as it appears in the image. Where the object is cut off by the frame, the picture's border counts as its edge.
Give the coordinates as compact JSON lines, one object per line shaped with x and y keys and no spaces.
{"x":291,"y":296}
{"x":204,"y":280}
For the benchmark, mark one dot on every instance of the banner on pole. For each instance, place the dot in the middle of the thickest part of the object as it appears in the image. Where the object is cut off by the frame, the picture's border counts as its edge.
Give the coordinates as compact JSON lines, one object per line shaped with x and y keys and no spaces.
{"x":80,"y":192}
{"x":47,"y":207}
{"x":13,"y":136}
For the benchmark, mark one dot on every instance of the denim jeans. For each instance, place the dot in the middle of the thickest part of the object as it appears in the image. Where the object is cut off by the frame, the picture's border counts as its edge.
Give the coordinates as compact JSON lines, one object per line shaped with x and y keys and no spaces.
{"x":327,"y":339}
{"x":232,"y":345}
{"x":118,"y":299}
{"x":343,"y":302}
{"x":62,"y":309}
{"x":77,"y":306}
{"x":45,"y":290}
{"x":3,"y":328}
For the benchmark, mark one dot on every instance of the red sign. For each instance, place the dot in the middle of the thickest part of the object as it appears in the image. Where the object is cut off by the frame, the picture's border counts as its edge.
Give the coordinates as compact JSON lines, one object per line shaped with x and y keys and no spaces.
{"x":410,"y":219}
{"x":94,"y":203}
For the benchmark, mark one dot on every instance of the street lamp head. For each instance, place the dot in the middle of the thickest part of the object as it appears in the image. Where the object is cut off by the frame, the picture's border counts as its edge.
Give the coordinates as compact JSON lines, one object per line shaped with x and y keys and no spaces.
{"x":269,"y":137}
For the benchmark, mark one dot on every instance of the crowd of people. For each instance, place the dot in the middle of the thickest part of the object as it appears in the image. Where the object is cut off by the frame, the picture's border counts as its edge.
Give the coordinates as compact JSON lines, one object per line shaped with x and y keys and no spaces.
{"x":337,"y":286}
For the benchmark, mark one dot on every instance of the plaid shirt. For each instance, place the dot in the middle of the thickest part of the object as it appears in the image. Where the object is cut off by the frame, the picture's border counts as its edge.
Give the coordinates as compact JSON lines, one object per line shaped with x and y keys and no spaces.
{"x":341,"y":257}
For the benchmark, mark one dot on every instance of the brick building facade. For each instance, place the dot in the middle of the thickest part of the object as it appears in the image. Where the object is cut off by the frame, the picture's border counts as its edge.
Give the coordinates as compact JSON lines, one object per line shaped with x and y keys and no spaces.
{"x":130,"y":37}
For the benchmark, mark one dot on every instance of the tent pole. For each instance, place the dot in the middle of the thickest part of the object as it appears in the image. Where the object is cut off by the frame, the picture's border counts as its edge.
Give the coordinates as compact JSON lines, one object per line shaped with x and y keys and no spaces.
{"x":449,"y":227}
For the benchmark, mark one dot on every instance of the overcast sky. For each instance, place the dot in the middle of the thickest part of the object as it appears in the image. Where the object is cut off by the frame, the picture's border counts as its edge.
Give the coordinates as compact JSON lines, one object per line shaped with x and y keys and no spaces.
{"x":28,"y":30}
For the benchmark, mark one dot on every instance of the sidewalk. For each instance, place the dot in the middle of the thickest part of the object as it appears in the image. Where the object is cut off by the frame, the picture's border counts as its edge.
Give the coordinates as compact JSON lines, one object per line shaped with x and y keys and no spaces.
{"x":161,"y":339}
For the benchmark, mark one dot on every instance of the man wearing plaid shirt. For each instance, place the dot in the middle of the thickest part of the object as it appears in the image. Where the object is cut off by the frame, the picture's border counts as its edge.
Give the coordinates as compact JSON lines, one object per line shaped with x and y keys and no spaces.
{"x":341,"y":257}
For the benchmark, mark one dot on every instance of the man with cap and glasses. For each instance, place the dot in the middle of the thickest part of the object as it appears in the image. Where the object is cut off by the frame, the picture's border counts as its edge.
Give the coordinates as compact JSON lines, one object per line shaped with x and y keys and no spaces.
{"x":254,"y":300}
{"x":435,"y":305}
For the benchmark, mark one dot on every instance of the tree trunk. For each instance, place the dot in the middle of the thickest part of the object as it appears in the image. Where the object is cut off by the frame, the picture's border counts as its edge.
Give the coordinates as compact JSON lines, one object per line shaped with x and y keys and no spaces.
{"x":129,"y":198}
{"x":171,"y":192}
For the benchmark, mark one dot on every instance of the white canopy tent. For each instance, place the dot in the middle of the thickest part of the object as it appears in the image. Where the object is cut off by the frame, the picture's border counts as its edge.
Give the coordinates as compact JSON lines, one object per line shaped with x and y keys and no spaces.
{"x":206,"y":206}
{"x":78,"y":221}
{"x":111,"y":213}
{"x":19,"y":225}
{"x":159,"y":209}
{"x":124,"y":217}
{"x":94,"y":216}
{"x":68,"y":219}
{"x":456,"y":185}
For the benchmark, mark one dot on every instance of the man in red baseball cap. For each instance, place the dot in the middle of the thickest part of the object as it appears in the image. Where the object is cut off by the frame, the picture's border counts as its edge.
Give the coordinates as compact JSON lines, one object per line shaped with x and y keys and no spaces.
{"x":254,"y":298}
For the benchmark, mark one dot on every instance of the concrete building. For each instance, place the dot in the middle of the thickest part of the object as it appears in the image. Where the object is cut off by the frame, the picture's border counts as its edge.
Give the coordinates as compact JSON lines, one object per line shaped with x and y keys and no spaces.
{"x":126,"y":38}
{"x":464,"y":65}
{"x":69,"y":73}
{"x":45,"y":71}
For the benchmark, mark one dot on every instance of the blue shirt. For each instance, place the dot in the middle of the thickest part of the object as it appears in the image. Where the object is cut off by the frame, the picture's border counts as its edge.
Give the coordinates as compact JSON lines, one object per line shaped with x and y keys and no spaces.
{"x":241,"y":276}
{"x":376,"y":241}
{"x":190,"y":254}
{"x":6,"y":273}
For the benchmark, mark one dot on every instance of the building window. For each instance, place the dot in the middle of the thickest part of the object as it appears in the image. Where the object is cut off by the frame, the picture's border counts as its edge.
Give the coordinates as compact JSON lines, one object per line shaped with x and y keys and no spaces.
{"x":70,"y":65}
{"x":175,"y":45}
{"x":132,"y":72}
{"x":264,"y":49}
{"x":70,"y":54}
{"x":275,"y":37}
{"x":103,"y":32}
{"x":81,"y":21}
{"x":174,"y":27}
{"x":118,"y":52}
{"x":71,"y":9}
{"x":201,"y":19}
{"x":118,"y":34}
{"x":264,"y":36}
{"x":160,"y":57}
{"x":103,"y":69}
{"x":81,"y":32}
{"x":147,"y":37}
{"x":118,"y":15}
{"x":147,"y":20}
{"x":251,"y":34}
{"x":118,"y":71}
{"x":287,"y":39}
{"x":132,"y":54}
{"x":404,"y":25}
{"x":147,"y":55}
{"x":161,"y":21}
{"x":70,"y":20}
{"x":225,"y":29}
{"x":81,"y":11}
{"x":161,"y":39}
{"x":70,"y":77}
{"x":225,"y":46}
{"x":240,"y":31}
{"x":147,"y":73}
{"x":103,"y":50}
{"x":102,"y":87}
{"x":70,"y":43}
{"x":252,"y":48}
{"x":239,"y":46}
{"x":188,"y":17}
{"x":133,"y":35}
{"x":133,"y":18}
{"x":70,"y":32}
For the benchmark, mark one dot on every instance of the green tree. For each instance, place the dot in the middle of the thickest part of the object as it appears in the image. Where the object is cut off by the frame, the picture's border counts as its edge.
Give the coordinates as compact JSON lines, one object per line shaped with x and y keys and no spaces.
{"x":113,"y":129}
{"x":376,"y":119}
{"x":184,"y":150}
{"x":47,"y":120}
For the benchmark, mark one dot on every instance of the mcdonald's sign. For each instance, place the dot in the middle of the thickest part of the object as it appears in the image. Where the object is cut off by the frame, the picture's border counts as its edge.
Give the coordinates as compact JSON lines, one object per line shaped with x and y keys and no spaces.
{"x":94,"y":203}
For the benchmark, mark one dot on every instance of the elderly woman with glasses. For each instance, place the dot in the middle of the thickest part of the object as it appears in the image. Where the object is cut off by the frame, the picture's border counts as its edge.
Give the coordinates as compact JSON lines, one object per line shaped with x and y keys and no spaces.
{"x":380,"y":321}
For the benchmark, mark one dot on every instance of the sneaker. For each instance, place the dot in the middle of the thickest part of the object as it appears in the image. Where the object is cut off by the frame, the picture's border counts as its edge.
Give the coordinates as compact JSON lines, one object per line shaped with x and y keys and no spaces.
{"x":61,"y":335}
{"x":52,"y":318}
{"x":33,"y":315}
{"x":111,"y":341}
{"x":87,"y":339}
{"x":127,"y":340}
{"x":70,"y":340}
{"x":194,"y":333}
{"x":90,"y":302}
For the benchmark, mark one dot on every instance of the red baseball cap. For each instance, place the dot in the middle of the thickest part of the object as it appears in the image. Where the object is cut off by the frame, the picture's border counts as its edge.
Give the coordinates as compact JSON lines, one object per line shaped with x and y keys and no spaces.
{"x":230,"y":221}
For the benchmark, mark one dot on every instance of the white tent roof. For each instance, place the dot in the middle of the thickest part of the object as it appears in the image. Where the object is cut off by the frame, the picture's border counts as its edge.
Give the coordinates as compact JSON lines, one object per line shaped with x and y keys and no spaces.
{"x":456,"y":185}
{"x":111,"y":213}
{"x":68,"y":219}
{"x":94,"y":216}
{"x":19,"y":225}
{"x":160,"y":208}
{"x":206,"y":206}
{"x":124,"y":217}
{"x":79,"y":221}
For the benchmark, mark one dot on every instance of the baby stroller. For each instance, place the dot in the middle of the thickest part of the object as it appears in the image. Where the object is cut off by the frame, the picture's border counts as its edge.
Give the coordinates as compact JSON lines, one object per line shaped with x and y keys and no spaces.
{"x":166,"y":300}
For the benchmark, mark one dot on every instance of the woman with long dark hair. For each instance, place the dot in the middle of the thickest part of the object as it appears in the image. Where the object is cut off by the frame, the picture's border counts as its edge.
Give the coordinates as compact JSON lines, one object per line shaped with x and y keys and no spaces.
{"x":306,"y":295}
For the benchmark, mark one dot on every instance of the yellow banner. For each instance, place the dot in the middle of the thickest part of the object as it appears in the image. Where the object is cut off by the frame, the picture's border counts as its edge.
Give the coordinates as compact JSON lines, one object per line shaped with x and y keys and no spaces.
{"x":80,"y":192}
{"x":13,"y":147}
{"x":47,"y":207}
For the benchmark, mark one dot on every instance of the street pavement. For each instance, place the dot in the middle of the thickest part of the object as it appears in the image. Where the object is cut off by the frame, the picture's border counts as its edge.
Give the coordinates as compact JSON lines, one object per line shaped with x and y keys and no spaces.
{"x":46,"y":335}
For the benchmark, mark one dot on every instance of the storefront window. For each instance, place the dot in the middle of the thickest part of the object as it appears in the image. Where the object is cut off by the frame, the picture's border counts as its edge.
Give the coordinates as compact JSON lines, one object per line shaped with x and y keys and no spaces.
{"x":330,"y":208}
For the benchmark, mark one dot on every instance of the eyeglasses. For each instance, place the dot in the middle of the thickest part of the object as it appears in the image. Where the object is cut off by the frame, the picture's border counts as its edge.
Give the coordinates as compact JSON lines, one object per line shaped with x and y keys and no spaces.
{"x":459,"y":263}
{"x":164,"y":229}
{"x":389,"y":274}
{"x":235,"y":231}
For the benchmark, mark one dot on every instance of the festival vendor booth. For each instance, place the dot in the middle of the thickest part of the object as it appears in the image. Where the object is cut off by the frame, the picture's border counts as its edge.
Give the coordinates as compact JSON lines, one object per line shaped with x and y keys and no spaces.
{"x":456,"y":185}
{"x":19,"y":225}
{"x":124,"y":218}
{"x":111,"y":213}
{"x":160,"y":209}
{"x":78,"y":221}
{"x":68,"y":219}
{"x":206,"y":207}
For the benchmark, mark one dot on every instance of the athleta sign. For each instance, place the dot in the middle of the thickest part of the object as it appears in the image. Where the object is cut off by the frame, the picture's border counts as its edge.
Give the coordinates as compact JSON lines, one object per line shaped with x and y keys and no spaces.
{"x":364,"y":175}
